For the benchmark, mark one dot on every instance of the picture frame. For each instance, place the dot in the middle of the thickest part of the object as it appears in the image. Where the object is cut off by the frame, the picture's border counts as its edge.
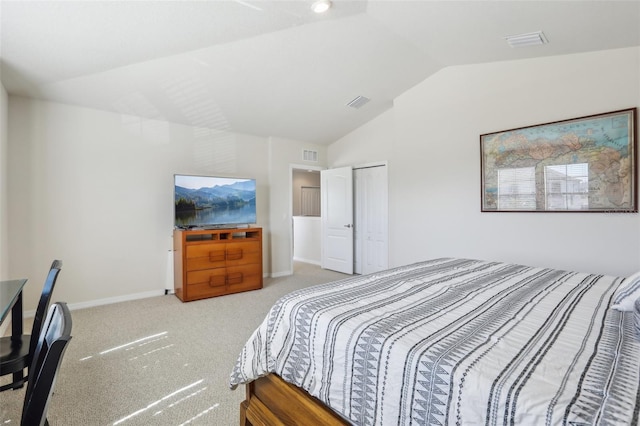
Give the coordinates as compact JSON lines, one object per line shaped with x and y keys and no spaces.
{"x":584,"y":164}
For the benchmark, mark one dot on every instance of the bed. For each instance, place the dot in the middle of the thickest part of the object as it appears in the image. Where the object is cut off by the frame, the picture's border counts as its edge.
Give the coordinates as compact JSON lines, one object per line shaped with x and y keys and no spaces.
{"x":448,"y":341}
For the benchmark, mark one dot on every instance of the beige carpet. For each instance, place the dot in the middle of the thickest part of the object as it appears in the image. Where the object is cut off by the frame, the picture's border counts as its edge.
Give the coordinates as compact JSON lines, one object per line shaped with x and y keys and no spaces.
{"x":158,"y":360}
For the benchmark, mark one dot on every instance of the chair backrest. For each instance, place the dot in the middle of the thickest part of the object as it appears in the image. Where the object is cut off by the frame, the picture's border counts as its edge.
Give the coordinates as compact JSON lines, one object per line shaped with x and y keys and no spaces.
{"x":43,"y":304}
{"x":47,"y":357}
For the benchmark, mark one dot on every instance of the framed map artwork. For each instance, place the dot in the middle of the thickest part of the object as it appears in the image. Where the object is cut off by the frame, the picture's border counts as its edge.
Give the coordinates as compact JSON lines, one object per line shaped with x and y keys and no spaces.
{"x":585,"y":164}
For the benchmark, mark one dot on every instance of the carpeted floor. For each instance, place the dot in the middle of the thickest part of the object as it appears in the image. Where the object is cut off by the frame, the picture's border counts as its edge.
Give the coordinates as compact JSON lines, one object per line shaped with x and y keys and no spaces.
{"x":158,"y":360}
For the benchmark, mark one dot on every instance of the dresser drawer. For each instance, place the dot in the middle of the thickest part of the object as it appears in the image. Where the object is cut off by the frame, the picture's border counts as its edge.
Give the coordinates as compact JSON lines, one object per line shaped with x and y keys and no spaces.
{"x":205,"y":256}
{"x":241,"y":278}
{"x":233,"y":278}
{"x":243,"y":253}
{"x":212,"y":277}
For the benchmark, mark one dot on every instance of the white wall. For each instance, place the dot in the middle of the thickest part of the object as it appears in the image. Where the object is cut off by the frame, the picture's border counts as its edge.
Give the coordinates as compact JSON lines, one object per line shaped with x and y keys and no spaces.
{"x":95,"y":189}
{"x":4,"y":175}
{"x":372,"y":142}
{"x":434,"y":163}
{"x":307,"y":239}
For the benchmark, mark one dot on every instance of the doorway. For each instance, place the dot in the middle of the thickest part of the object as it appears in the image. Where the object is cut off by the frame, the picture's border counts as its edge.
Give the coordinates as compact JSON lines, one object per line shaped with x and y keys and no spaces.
{"x":305,"y":215}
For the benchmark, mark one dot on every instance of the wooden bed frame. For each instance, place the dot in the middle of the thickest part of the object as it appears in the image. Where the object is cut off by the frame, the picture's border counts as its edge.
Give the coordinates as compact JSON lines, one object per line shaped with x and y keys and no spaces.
{"x":272,"y":402}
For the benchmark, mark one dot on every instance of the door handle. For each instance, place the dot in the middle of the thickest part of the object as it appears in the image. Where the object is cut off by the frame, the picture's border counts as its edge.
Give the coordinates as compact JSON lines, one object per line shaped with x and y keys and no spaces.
{"x":347,"y":225}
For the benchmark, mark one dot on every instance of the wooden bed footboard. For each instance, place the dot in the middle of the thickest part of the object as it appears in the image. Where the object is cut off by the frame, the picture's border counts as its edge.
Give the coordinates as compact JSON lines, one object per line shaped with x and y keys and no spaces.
{"x":271,"y":401}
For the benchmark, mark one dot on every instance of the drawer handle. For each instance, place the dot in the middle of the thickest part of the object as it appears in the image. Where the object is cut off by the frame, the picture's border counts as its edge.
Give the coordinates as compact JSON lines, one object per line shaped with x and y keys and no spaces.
{"x":216,"y":256}
{"x":235,"y":278}
{"x":216,"y":281}
{"x":234,"y":254}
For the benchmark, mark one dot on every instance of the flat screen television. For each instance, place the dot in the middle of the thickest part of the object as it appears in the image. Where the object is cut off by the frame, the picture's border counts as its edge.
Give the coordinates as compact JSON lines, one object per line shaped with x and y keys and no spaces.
{"x":214,"y":201}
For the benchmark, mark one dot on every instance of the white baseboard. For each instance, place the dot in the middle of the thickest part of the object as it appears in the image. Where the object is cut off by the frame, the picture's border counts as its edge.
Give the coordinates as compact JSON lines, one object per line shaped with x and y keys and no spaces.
{"x":110,"y":300}
{"x":281,"y":274}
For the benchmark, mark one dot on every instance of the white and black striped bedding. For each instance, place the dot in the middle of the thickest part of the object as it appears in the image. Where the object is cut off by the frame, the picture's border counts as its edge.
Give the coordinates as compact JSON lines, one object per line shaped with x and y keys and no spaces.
{"x":456,"y":341}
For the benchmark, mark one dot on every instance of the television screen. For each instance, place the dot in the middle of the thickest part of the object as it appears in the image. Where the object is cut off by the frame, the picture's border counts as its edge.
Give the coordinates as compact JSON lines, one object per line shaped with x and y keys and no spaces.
{"x":211,"y":201}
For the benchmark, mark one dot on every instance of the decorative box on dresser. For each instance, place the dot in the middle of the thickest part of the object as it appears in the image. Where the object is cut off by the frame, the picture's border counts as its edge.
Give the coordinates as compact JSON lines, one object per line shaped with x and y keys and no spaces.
{"x":214,"y":262}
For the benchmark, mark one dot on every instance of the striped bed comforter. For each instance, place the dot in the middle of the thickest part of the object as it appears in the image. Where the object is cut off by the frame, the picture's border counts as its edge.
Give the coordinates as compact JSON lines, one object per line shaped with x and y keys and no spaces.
{"x":456,"y":341}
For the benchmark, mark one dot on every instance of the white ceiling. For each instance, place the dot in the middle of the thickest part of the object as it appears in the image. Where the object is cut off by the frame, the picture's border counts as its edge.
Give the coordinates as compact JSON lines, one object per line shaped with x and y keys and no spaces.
{"x":274,"y":68}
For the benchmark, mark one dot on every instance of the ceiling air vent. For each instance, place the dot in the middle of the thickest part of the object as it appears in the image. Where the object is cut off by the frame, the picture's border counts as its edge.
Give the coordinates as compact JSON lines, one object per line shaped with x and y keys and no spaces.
{"x":308,"y":155}
{"x":529,"y":39}
{"x":358,"y":101}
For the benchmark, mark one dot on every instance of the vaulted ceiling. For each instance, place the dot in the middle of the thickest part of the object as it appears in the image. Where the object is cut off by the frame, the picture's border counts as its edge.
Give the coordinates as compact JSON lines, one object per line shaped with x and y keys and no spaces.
{"x":275,"y":68}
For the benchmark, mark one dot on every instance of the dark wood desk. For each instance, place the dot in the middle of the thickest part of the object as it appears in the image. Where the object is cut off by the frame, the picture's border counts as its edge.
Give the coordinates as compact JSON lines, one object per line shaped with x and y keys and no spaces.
{"x":11,"y":300}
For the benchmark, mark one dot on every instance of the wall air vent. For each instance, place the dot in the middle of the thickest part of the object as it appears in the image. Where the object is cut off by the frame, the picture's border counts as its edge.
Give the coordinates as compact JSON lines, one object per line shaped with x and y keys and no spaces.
{"x":308,"y":155}
{"x":529,"y":39}
{"x":358,"y":101}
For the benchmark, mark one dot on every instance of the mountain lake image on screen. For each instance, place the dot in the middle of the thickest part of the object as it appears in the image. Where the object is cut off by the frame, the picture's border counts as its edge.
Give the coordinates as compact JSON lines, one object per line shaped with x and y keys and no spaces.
{"x":213,"y":201}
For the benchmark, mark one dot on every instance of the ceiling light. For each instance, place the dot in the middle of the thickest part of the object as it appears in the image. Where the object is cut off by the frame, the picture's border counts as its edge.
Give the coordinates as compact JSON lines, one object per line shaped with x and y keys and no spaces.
{"x":321,"y":6}
{"x":529,"y":39}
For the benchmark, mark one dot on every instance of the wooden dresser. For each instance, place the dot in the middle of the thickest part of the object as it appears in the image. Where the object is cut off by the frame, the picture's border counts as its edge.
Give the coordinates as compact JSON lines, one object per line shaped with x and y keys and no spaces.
{"x":215,"y":262}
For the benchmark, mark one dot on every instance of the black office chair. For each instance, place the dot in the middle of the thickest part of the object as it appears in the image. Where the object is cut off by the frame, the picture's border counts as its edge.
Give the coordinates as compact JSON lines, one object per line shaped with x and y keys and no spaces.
{"x":15,"y":355}
{"x":47,"y":357}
